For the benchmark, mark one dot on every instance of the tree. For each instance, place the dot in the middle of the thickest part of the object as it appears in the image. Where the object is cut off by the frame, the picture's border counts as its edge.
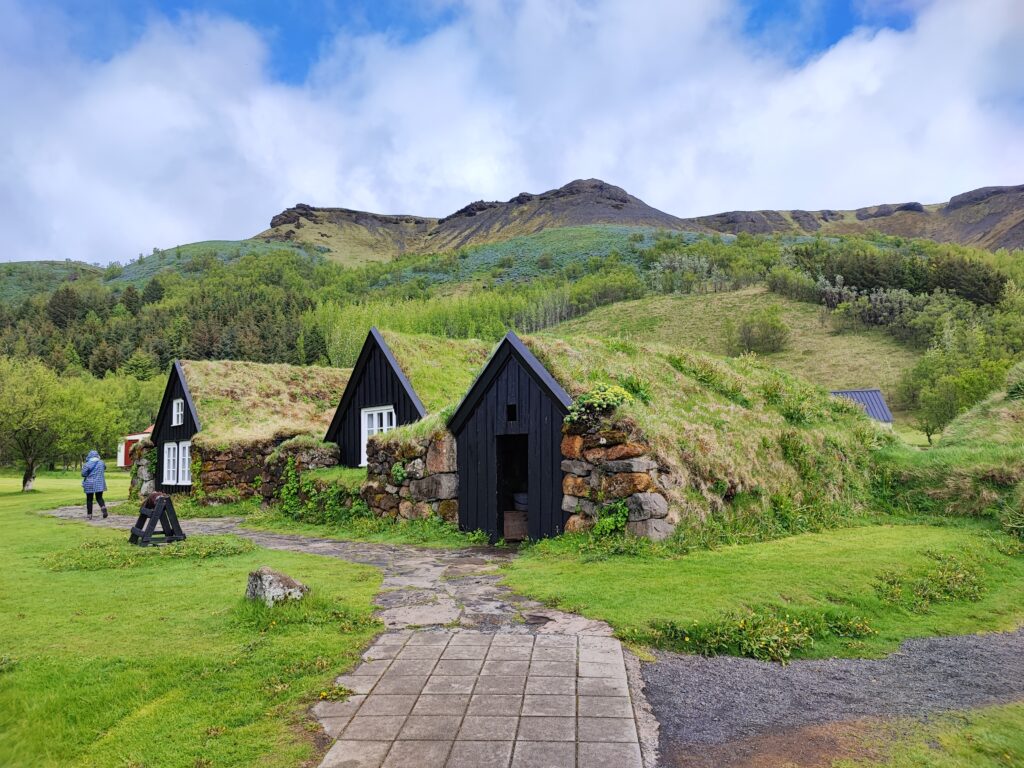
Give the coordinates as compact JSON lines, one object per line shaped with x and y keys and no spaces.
{"x":65,"y":307}
{"x":153,"y":292}
{"x":131,"y":300}
{"x":31,"y":414}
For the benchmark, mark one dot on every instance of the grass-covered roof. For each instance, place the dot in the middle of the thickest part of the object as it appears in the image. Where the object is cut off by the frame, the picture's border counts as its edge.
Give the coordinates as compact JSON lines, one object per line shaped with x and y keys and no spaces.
{"x":731,"y":429}
{"x":440,"y":370}
{"x":239,"y":401}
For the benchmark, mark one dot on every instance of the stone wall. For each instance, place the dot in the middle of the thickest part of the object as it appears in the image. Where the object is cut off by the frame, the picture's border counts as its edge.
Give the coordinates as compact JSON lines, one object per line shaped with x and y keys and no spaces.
{"x":143,"y":482}
{"x":242,"y":470}
{"x":426,"y":484}
{"x":608,"y":464}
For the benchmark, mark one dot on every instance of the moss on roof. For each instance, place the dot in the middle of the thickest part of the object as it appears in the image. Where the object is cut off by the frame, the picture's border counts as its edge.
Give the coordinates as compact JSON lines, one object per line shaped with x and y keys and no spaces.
{"x":735,"y":431}
{"x":440,"y":370}
{"x":240,"y":402}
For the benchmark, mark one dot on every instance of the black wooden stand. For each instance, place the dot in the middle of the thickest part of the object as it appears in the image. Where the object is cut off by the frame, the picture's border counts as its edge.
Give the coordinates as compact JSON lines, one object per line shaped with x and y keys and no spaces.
{"x":161,"y":510}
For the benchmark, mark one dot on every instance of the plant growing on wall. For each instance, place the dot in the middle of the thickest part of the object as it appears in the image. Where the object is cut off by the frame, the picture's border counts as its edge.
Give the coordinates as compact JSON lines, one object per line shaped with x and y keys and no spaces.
{"x":590,"y":407}
{"x":611,"y":519}
{"x":398,"y":473}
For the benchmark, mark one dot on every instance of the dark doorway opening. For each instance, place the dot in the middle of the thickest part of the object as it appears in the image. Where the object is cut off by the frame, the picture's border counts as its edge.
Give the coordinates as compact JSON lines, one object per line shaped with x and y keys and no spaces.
{"x":513,"y":456}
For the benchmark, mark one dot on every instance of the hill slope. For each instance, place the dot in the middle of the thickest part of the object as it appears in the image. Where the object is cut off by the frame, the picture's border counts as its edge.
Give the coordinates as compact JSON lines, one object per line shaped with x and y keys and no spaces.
{"x":867,"y":358}
{"x":990,"y":217}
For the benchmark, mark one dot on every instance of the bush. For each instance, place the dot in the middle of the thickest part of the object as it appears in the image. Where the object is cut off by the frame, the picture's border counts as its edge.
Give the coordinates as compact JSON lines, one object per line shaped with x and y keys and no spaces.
{"x":762,"y":331}
{"x":1015,"y":382}
{"x":637,"y":387}
{"x":590,"y":407}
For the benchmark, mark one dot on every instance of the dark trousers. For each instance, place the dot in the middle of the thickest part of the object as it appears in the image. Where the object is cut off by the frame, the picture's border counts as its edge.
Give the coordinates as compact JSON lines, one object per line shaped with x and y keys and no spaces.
{"x":99,"y":500}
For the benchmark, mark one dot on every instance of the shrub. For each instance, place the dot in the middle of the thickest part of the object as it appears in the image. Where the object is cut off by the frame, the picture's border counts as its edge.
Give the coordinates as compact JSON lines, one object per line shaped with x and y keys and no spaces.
{"x":762,"y":331}
{"x":398,"y":473}
{"x":590,"y":407}
{"x":1015,"y":382}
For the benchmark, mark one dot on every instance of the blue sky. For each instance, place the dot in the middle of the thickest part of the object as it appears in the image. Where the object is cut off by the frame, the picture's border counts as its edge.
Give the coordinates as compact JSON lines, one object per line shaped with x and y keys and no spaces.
{"x":133,"y":125}
{"x":297,"y":31}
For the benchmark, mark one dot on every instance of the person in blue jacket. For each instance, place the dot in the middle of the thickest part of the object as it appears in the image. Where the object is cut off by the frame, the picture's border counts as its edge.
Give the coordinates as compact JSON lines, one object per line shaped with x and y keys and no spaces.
{"x":94,"y":482}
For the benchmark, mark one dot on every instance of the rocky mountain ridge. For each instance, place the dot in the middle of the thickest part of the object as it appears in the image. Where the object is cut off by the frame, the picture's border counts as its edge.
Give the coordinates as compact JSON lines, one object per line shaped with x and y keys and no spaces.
{"x":989,"y":217}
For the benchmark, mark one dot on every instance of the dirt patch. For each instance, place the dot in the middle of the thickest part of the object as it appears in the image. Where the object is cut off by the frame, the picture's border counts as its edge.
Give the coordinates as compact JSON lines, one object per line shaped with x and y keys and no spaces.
{"x":813,"y":746}
{"x":740,"y":712}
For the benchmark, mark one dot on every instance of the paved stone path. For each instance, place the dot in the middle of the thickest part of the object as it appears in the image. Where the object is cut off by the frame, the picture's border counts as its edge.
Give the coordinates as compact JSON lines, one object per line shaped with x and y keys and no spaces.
{"x":469,"y":674}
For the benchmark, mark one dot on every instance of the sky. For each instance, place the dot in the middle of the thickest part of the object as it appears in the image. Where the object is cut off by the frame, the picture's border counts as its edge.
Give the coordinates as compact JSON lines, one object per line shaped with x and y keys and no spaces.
{"x":132,"y":125}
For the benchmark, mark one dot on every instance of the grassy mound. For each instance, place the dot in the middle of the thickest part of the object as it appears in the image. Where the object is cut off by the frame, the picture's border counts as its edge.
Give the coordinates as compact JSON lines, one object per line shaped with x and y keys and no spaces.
{"x":976,"y":468}
{"x":744,"y":439}
{"x":865,"y":358}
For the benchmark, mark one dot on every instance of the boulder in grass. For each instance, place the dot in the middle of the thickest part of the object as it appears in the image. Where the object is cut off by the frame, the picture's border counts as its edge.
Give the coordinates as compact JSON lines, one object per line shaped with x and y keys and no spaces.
{"x":273,"y":587}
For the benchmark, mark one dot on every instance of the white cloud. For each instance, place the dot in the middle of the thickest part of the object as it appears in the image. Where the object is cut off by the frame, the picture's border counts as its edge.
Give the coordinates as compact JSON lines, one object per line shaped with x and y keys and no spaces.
{"x":184,"y":136}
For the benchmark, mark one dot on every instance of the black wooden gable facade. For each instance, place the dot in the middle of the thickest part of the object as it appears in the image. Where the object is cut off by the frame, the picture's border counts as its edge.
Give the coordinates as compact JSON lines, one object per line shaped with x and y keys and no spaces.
{"x":508,"y":433}
{"x":166,"y":432}
{"x":377,"y":382}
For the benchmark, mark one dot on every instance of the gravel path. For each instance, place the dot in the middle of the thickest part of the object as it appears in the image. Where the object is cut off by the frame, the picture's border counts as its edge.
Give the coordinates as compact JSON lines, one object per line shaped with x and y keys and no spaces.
{"x":703,"y":703}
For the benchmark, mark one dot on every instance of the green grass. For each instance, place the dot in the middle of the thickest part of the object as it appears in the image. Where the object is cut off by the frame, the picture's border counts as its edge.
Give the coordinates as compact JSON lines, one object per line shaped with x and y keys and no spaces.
{"x":835,"y":361}
{"x":973,"y":469}
{"x":349,"y":477}
{"x":429,"y":532}
{"x":831,"y":570}
{"x":165,"y":664}
{"x":989,"y":737}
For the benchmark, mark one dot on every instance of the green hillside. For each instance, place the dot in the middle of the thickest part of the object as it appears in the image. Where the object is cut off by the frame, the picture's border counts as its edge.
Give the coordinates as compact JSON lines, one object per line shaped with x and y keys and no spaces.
{"x":865,"y":358}
{"x":21,"y":279}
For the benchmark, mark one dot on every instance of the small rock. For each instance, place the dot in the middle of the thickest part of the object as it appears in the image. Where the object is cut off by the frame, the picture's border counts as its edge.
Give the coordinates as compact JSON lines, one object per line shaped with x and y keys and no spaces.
{"x":578,"y":523}
{"x":572,"y":446}
{"x":576,"y":467}
{"x":654,"y":529}
{"x":441,"y":455}
{"x":643,"y":506}
{"x":575,"y":486}
{"x":630,"y":465}
{"x":574,"y":505}
{"x":414,"y":469}
{"x":273,"y":587}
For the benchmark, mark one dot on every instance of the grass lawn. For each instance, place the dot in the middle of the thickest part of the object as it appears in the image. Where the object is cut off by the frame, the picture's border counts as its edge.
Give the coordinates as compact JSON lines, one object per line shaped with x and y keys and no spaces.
{"x":430,"y":532}
{"x":832,"y":570}
{"x":866,"y":358}
{"x":161,"y":661}
{"x":990,"y":737}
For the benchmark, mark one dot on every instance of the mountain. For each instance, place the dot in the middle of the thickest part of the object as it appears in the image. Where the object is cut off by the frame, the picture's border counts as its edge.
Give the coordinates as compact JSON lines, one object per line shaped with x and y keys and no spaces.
{"x":990,"y":217}
{"x":357,"y":236}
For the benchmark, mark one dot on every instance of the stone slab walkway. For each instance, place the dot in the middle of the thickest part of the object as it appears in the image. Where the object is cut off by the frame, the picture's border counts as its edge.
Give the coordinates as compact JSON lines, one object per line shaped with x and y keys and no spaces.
{"x":485,"y":700}
{"x":469,"y":673}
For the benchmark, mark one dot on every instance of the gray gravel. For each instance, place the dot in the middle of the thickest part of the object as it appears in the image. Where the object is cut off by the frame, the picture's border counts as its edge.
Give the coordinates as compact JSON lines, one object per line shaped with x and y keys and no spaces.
{"x":704,"y":702}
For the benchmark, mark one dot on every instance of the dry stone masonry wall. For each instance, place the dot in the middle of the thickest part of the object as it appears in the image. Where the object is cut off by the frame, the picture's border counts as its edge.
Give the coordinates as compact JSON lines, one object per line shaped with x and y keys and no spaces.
{"x":605,"y":465}
{"x":412,"y":479}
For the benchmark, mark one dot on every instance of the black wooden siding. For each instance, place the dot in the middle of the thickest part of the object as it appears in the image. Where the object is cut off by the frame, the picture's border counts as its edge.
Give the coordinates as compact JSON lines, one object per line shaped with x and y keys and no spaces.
{"x":374,"y":385}
{"x":163,"y":432}
{"x":539,"y":416}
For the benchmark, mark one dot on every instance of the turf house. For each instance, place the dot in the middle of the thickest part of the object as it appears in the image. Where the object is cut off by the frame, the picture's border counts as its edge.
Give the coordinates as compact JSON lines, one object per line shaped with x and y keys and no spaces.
{"x":377,"y":398}
{"x":871,"y":400}
{"x":555,"y":433}
{"x":224,"y":428}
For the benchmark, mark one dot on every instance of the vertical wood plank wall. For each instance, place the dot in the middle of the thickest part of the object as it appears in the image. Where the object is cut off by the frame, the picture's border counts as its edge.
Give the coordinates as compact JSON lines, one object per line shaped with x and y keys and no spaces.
{"x":378,"y":386}
{"x":539,"y":417}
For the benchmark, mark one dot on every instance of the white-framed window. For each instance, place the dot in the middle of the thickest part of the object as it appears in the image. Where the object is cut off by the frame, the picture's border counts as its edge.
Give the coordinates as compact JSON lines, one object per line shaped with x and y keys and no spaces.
{"x":375,"y":421}
{"x":170,"y":463}
{"x":185,"y":463}
{"x":177,"y":412}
